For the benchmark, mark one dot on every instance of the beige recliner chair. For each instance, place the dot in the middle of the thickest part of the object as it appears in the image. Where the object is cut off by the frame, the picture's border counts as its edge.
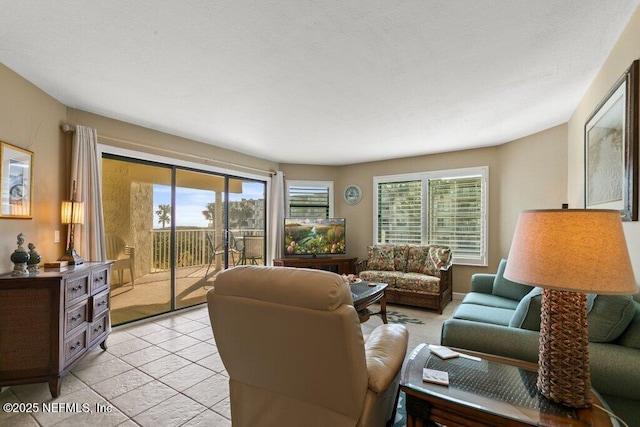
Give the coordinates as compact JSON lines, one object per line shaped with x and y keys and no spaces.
{"x":292,"y":345}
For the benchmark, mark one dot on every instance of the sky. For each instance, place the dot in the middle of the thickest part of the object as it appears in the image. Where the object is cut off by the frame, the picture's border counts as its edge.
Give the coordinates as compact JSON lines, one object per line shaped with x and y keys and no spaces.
{"x":191,"y":202}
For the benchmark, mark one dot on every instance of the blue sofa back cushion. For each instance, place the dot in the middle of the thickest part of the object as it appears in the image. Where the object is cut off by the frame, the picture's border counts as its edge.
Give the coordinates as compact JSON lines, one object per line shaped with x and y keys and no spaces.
{"x":527,"y":314}
{"x":631,"y":336}
{"x":506,"y":288}
{"x":610,"y":316}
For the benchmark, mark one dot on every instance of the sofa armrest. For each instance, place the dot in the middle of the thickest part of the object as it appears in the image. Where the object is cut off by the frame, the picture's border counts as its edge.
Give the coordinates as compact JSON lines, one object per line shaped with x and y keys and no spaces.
{"x":487,"y":338}
{"x":385,"y":351}
{"x":362,"y":265}
{"x":482,"y":282}
{"x":614,"y":370}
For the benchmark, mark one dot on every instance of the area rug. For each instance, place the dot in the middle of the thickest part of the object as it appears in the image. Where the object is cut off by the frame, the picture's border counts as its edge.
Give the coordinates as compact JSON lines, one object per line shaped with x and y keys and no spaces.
{"x":424,"y":326}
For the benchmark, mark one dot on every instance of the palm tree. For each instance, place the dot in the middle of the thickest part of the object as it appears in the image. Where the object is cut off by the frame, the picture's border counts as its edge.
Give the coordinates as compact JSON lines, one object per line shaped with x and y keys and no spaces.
{"x":164,"y":214}
{"x":240,"y":213}
{"x":210,"y":213}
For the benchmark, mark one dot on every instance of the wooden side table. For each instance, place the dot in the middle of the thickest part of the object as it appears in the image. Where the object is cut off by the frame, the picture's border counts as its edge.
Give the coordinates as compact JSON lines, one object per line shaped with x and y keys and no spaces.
{"x":486,"y":391}
{"x":365,"y":294}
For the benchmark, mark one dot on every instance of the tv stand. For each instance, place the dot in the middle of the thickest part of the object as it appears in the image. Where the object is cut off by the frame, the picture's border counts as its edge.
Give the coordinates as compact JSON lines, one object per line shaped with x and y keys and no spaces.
{"x":337,"y":264}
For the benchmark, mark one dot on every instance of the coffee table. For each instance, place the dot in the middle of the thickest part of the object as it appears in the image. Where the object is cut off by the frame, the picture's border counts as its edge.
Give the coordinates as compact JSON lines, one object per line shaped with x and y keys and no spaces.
{"x":365,"y":294}
{"x":486,"y":391}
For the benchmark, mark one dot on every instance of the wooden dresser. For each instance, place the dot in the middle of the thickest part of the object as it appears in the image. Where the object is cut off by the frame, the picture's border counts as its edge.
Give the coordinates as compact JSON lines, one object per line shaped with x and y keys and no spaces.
{"x":49,"y":320}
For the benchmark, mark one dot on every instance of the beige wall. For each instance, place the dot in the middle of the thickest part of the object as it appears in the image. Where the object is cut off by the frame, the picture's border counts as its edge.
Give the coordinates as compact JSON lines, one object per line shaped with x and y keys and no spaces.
{"x":125,"y":135}
{"x":626,"y":50}
{"x":31,"y":120}
{"x":524,"y":174}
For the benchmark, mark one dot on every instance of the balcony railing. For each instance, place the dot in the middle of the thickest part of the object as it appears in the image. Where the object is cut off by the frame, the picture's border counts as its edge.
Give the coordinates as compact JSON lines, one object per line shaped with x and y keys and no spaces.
{"x":191,"y":246}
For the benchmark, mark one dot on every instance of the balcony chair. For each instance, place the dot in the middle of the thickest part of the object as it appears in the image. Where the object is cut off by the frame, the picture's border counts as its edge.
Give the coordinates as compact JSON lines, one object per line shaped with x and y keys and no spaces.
{"x":293,"y":348}
{"x":253,"y":250}
{"x":122,"y":255}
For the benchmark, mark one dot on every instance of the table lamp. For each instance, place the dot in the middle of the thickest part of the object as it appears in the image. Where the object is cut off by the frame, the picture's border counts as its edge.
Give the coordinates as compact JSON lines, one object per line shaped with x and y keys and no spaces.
{"x":569,"y":253}
{"x":72,"y":213}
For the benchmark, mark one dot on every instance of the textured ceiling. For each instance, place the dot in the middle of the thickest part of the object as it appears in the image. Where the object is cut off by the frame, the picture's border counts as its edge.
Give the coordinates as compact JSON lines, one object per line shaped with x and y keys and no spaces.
{"x":319,"y":82}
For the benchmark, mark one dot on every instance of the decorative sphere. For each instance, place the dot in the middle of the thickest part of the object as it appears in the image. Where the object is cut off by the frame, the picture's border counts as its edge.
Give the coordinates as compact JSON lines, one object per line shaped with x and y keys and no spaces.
{"x":34,"y":258}
{"x":18,"y":257}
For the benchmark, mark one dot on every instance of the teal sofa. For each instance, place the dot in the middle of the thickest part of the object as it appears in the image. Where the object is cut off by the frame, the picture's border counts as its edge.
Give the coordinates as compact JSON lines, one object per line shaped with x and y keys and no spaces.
{"x":503,"y":318}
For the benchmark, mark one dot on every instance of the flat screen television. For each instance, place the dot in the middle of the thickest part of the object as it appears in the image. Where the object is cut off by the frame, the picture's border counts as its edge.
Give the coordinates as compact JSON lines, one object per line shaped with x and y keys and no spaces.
{"x":314,"y":236}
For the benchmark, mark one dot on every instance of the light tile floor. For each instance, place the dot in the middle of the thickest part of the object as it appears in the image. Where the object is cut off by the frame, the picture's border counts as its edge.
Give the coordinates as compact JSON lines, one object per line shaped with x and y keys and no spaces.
{"x":163,"y":372}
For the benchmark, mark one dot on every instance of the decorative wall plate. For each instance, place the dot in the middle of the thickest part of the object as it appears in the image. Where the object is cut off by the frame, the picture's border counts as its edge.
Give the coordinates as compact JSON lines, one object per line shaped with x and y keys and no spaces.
{"x":352,"y":194}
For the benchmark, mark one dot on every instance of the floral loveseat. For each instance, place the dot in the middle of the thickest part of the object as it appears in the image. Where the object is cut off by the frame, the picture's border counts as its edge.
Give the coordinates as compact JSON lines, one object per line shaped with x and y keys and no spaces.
{"x":417,"y":275}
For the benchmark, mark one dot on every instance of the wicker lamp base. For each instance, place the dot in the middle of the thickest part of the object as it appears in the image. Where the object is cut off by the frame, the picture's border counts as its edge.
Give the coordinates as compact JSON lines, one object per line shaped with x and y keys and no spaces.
{"x":563,"y":367}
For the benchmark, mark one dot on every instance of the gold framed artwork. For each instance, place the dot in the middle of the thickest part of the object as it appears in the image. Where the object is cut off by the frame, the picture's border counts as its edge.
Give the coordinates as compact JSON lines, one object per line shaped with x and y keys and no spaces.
{"x":611,"y":149}
{"x":16,"y":182}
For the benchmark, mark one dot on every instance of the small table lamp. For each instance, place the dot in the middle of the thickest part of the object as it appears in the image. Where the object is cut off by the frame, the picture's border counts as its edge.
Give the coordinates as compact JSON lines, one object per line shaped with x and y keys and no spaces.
{"x":569,"y":253}
{"x":72,"y":213}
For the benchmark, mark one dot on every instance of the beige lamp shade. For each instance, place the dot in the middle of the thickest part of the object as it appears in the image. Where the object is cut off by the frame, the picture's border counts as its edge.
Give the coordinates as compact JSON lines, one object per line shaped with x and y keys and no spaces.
{"x":78,"y":212}
{"x":578,"y":250}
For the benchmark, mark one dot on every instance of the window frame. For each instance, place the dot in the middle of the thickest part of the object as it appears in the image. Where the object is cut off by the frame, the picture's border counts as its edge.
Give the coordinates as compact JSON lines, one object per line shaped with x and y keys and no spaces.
{"x":309,"y":183}
{"x":424,"y":177}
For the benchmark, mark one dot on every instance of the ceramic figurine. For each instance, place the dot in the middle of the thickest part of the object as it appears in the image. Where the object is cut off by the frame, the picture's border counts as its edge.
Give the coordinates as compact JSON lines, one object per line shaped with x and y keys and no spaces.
{"x":34,"y":259}
{"x":19,"y":258}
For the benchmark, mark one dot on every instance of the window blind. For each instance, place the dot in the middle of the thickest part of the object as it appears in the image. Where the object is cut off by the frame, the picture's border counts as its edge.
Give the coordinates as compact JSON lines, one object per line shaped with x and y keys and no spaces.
{"x":308,"y":201}
{"x":456,"y":215}
{"x":400,"y":212}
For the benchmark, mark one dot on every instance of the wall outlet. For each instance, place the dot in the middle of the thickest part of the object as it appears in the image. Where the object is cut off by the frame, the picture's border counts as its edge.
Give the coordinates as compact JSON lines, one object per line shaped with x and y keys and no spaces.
{"x":56,"y":236}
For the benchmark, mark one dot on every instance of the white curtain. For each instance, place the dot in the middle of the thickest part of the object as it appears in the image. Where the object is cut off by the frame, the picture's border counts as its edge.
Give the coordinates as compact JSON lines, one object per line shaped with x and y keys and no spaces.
{"x":276,"y":224}
{"x":86,"y":170}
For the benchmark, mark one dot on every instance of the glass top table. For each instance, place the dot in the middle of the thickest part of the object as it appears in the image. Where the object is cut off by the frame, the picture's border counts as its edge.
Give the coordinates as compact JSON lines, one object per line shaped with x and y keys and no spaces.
{"x":488,"y":390}
{"x":366,"y":293}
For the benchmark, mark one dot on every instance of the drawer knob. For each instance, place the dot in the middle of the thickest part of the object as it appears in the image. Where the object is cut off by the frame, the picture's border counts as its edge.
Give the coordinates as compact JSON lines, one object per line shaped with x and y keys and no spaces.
{"x":73,"y":347}
{"x":76,"y":288}
{"x":75,"y":318}
{"x":99,"y":327}
{"x":99,"y":279}
{"x":101,"y":303}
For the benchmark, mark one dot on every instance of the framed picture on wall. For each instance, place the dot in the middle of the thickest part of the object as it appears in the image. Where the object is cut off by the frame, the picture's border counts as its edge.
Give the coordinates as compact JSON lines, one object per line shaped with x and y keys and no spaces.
{"x":611,"y":149}
{"x":16,"y":182}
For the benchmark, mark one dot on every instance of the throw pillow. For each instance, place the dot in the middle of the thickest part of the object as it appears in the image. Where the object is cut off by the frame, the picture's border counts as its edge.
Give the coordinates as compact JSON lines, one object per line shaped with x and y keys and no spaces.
{"x":380,"y":257}
{"x":506,"y":288}
{"x":439,"y":256}
{"x":631,"y":336}
{"x":527,"y":314}
{"x":418,"y":260}
{"x":610,"y":316}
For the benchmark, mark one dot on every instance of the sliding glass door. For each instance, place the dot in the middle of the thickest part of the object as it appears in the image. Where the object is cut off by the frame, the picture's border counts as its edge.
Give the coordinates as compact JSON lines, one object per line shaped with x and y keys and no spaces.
{"x":171,"y":230}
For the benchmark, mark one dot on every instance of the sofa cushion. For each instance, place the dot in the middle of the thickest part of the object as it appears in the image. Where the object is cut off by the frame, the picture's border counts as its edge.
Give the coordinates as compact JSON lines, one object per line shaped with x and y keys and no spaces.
{"x":489,"y":300}
{"x":484,"y":314}
{"x":388,"y":277}
{"x":380,"y":257}
{"x":418,"y":259}
{"x":527,"y":314}
{"x":417,"y":282}
{"x":610,"y":316}
{"x":631,"y":336}
{"x":400,"y":254}
{"x":506,"y":288}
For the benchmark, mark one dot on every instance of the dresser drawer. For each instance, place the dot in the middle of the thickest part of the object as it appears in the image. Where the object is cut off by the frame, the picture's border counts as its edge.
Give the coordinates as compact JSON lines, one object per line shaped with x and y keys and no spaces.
{"x":100,"y":304}
{"x":99,"y":280}
{"x":75,"y":346}
{"x":75,"y":317}
{"x":98,"y":328}
{"x":76,"y":289}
